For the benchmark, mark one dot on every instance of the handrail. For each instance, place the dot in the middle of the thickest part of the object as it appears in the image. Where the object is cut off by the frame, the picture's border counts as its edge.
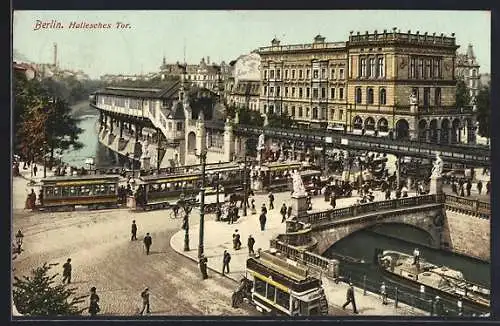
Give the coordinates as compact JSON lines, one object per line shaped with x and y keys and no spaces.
{"x":468,"y":206}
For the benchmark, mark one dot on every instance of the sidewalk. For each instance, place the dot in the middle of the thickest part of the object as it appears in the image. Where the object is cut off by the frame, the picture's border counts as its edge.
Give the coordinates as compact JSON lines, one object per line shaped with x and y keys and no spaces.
{"x":218,"y":237}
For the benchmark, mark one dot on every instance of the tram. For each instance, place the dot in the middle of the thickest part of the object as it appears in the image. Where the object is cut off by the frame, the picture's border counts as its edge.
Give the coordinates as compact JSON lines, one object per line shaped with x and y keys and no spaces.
{"x":282,"y":287}
{"x":67,"y":192}
{"x":276,"y":175}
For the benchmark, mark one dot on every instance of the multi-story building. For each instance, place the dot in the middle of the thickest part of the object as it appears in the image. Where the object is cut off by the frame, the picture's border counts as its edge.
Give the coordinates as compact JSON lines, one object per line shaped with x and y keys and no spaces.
{"x":397,"y":84}
{"x":243,"y":87}
{"x":468,"y":70}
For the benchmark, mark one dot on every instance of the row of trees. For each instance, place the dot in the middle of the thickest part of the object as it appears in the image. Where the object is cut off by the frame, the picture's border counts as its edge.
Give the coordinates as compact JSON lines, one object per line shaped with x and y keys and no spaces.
{"x":42,"y":119}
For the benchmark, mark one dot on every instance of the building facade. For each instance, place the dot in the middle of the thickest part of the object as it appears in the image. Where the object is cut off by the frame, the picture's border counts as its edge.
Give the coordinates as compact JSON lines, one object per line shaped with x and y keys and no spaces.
{"x":243,"y":85}
{"x":394,"y":84}
{"x":468,"y":70}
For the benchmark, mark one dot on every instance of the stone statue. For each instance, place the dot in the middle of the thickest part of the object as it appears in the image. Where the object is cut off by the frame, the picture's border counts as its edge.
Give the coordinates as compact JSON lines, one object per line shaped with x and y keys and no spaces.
{"x":437,"y":168}
{"x":298,"y":185}
{"x":260,"y":144}
{"x":413,"y":99}
{"x":145,"y":149}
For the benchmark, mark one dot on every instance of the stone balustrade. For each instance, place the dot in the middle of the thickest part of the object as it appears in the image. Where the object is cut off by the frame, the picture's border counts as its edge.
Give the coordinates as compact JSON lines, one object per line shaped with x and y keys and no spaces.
{"x":468,"y":206}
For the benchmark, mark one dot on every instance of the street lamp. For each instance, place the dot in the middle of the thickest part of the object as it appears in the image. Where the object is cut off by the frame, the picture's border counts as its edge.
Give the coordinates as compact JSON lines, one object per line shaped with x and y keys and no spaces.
{"x":203,"y":161}
{"x":19,"y":240}
{"x":185,"y":224}
{"x":244,"y":167}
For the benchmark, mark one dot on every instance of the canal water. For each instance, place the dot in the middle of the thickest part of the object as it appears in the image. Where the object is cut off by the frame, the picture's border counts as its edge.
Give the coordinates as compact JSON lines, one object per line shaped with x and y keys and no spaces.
{"x":361,"y":246}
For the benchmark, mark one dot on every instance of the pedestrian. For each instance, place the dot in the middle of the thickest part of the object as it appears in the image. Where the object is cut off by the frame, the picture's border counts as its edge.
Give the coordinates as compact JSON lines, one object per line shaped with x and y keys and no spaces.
{"x":262,"y":220}
{"x":94,"y":302}
{"x":264,"y":209}
{"x":468,"y":187}
{"x":271,"y":200}
{"x":488,"y":187}
{"x":226,"y":258}
{"x":236,"y":240}
{"x":350,"y":299}
{"x":67,"y":271}
{"x":289,"y":211}
{"x":283,"y":213}
{"x":479,"y":187}
{"x":35,"y":169}
{"x":250,"y":243}
{"x":145,"y":301}
{"x":416,"y":256}
{"x":454,"y":188}
{"x":40,"y":198}
{"x":218,"y":213}
{"x":252,"y":203}
{"x":148,"y":241}
{"x":461,"y":190}
{"x":333,"y":201}
{"x":388,"y":193}
{"x":383,"y":293}
{"x":203,"y":266}
{"x":134,"y":231}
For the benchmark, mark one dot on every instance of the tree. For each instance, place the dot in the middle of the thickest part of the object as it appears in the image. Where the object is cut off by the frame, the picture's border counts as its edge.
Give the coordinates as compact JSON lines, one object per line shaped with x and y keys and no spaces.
{"x":38,"y":295}
{"x":280,"y":121}
{"x":250,"y":117}
{"x":484,"y":111}
{"x":463,"y":98}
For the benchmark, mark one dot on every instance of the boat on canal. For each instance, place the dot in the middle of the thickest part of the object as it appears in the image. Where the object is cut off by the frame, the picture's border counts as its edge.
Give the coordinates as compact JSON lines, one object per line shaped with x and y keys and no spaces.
{"x":447,"y":282}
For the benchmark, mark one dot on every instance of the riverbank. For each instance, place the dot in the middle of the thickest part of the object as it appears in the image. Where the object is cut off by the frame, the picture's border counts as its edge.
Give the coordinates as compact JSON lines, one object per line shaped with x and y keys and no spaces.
{"x":81,"y":109}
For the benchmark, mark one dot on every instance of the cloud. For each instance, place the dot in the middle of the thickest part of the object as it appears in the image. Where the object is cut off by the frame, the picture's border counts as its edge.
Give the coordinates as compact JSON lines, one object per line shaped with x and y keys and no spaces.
{"x":18,"y":56}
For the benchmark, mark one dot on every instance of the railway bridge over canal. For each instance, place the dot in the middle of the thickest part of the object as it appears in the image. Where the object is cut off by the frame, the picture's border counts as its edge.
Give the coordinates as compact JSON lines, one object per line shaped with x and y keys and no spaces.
{"x":441,"y":216}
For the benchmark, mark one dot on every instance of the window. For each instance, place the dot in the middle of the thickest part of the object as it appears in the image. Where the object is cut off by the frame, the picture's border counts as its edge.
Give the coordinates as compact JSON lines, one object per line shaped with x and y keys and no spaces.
{"x":412,"y":68}
{"x":283,"y":299}
{"x":383,"y":99}
{"x":265,"y":90}
{"x":301,"y":112}
{"x":341,"y":73}
{"x":265,"y":109}
{"x":308,"y":112}
{"x":278,"y":73}
{"x":308,"y":73}
{"x":427,"y":93}
{"x":271,"y":109}
{"x":372,"y":68}
{"x":271,"y":74}
{"x":363,"y":68}
{"x":286,"y":91}
{"x":370,"y":96}
{"x":300,"y":92}
{"x":293,"y":111}
{"x":278,"y":89}
{"x":437,"y":97}
{"x":341,"y":93}
{"x":427,"y":69}
{"x":265,"y":74}
{"x":380,"y":67}
{"x":436,"y":68}
{"x":315,"y":113}
{"x":308,"y":92}
{"x":332,"y":92}
{"x":271,"y":91}
{"x":323,"y":92}
{"x":323,"y":73}
{"x":421,"y":68}
{"x":323,"y":114}
{"x":259,"y":287}
{"x":286,"y":74}
{"x":179,"y":126}
{"x":332,"y":114}
{"x":341,"y":113}
{"x":315,"y":73}
{"x":271,"y":292}
{"x":315,"y":93}
{"x":300,"y":74}
{"x":358,"y":95}
{"x":332,"y":74}
{"x":293,"y":74}
{"x":293,"y":91}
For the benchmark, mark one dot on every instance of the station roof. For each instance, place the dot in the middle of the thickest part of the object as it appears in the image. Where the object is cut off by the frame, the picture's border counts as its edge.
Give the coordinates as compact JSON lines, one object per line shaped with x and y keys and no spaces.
{"x":169,"y":91}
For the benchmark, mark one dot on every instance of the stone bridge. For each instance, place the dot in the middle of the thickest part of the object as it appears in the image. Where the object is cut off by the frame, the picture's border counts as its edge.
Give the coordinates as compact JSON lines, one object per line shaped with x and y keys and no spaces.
{"x":317,"y":232}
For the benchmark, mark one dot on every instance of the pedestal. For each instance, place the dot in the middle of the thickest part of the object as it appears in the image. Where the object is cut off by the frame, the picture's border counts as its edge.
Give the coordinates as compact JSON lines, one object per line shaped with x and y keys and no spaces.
{"x":299,"y":205}
{"x":145,"y":163}
{"x":130,"y":202}
{"x":436,"y":186}
{"x":257,"y":184}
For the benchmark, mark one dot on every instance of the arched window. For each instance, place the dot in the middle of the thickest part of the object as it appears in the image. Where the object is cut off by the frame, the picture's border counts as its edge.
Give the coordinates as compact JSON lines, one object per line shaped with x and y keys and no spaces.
{"x":372,"y":68}
{"x":383,"y":96}
{"x":369,"y":96}
{"x":437,"y":97}
{"x":380,"y":67}
{"x":315,"y":113}
{"x":358,"y":95}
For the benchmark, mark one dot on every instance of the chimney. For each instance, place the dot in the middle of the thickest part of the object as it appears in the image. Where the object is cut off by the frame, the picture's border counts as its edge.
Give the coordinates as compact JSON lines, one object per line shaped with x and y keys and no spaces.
{"x":208,"y":60}
{"x":55,"y":54}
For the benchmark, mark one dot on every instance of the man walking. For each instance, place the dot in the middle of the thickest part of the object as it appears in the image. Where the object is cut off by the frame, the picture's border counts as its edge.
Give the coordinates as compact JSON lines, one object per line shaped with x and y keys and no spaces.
{"x":236,"y":240}
{"x":145,"y":301}
{"x":289,"y":211}
{"x":94,"y":302}
{"x":148,"y":241}
{"x":262,"y":220}
{"x":35,"y":169}
{"x":203,"y":266}
{"x":333,"y":200}
{"x":283,"y":213}
{"x":225,"y":262}
{"x":468,"y":187}
{"x":488,"y":187}
{"x":134,"y":231}
{"x":271,"y":200}
{"x":479,"y":187}
{"x":263,"y":208}
{"x":250,"y":243}
{"x":383,"y":293}
{"x":350,"y":299}
{"x":67,"y":271}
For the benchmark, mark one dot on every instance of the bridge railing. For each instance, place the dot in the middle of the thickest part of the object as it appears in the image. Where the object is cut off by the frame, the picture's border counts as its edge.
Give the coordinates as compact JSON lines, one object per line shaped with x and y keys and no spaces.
{"x":468,"y":206}
{"x":336,"y":214}
{"x":328,"y":266}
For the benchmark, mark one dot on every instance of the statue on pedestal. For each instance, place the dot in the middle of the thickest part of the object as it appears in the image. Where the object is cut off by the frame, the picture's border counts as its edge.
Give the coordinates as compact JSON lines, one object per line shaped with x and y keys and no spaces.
{"x":437,"y":168}
{"x":145,"y":149}
{"x":299,"y":189}
{"x":260,"y":147}
{"x":413,"y":99}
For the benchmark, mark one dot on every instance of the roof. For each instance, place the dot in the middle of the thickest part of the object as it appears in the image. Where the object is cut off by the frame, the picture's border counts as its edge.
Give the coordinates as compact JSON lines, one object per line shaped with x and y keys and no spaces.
{"x":80,"y":177}
{"x":178,"y":113}
{"x":142,"y":92}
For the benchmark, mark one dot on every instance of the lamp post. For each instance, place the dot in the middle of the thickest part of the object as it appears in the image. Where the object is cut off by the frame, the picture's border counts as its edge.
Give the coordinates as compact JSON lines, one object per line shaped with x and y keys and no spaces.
{"x":245,"y":185}
{"x":158,"y":131}
{"x":203,"y":161}
{"x":185,"y":223}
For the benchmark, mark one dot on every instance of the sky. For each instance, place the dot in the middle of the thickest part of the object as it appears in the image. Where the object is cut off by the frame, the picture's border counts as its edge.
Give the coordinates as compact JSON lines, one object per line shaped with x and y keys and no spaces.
{"x":220,"y":35}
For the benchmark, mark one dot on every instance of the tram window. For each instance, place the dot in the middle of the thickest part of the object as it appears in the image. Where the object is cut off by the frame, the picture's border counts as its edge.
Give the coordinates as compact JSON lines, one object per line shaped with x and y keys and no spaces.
{"x":73,"y":192}
{"x":260,"y":287}
{"x":271,"y":292}
{"x":57,"y":191}
{"x":65,"y":191}
{"x":283,"y":299}
{"x":49,"y":191}
{"x":111,"y":189}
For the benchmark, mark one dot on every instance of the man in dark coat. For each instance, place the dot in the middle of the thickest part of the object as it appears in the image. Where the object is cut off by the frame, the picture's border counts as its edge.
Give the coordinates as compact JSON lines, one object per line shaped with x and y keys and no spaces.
{"x":203,"y":266}
{"x":145,"y":301}
{"x":283,"y":213}
{"x":333,"y":201}
{"x":488,"y":187}
{"x":289,"y":211}
{"x":479,"y":186}
{"x":468,"y":187}
{"x":264,"y":209}
{"x":271,"y":200}
{"x":94,"y":302}
{"x":350,"y":299}
{"x":250,"y":243}
{"x":148,"y":241}
{"x":262,"y":220}
{"x":236,"y":240}
{"x":134,"y":231}
{"x":225,"y":262}
{"x":67,"y":271}
{"x":35,"y":169}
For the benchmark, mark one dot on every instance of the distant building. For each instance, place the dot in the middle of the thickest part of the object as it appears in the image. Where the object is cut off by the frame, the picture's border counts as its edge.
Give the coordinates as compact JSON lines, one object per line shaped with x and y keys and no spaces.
{"x":467,"y":69}
{"x":243,"y":86}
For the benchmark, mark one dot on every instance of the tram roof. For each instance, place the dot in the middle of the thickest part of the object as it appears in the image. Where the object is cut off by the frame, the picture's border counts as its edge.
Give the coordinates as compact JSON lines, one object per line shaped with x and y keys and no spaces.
{"x":81,"y":177}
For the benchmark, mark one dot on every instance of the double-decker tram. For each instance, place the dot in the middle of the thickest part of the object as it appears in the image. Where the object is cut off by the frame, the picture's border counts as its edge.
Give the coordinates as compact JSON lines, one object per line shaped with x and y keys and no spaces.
{"x":67,"y":192}
{"x":281,"y":287}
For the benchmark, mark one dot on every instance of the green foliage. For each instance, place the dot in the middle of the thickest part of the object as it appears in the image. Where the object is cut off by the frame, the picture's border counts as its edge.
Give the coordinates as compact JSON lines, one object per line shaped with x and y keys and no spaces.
{"x":201,"y":100}
{"x":280,"y":121}
{"x":250,"y":117}
{"x":484,"y":111}
{"x":42,"y":295}
{"x":462,"y":95}
{"x":156,"y":82}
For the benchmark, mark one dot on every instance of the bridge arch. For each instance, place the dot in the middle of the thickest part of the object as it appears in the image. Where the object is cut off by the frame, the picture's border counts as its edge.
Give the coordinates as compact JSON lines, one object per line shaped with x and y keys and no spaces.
{"x":191,"y":142}
{"x":402,"y":129}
